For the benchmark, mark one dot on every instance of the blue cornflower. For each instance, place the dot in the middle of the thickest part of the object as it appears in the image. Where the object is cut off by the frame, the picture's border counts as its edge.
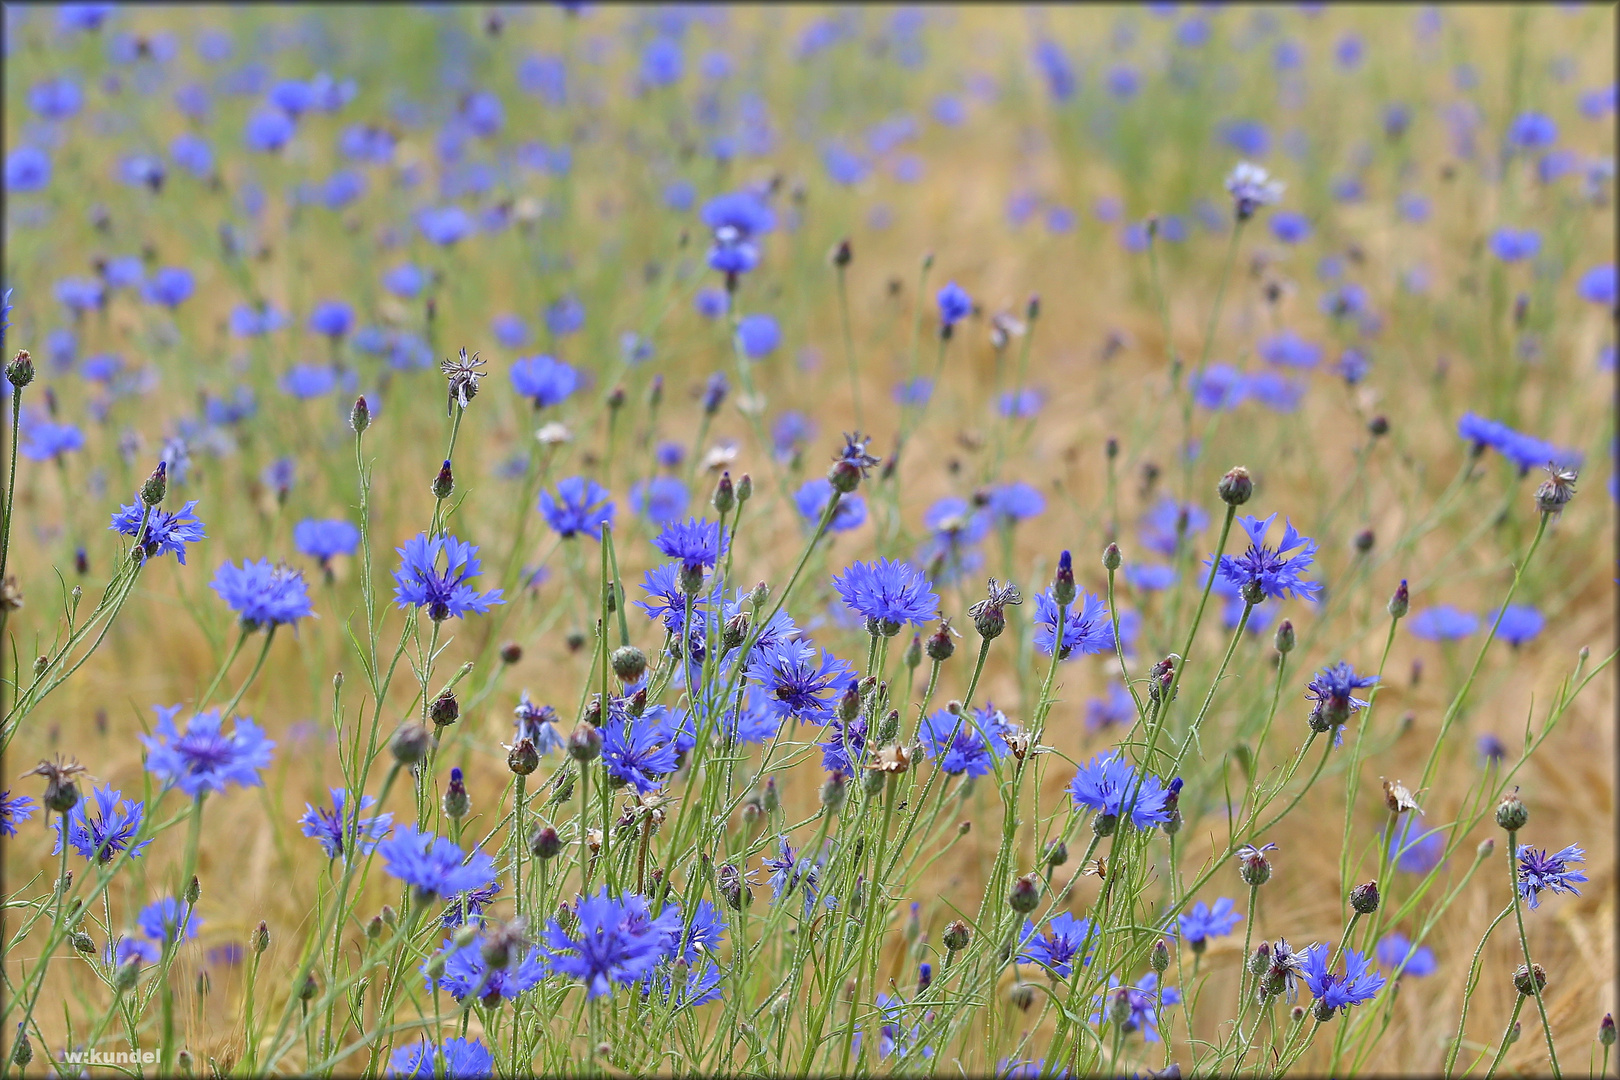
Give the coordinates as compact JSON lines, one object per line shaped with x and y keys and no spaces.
{"x":433,"y":865}
{"x":1015,"y":502}
{"x":1442,"y":623}
{"x":790,"y":433}
{"x":102,"y":838}
{"x":812,"y":498}
{"x":28,"y":168}
{"x":1107,"y":780}
{"x":328,"y":827}
{"x":1086,"y":626}
{"x":1204,"y":922}
{"x":1395,"y":950}
{"x":845,"y":744}
{"x":463,"y":1059}
{"x":163,"y":532}
{"x":1532,"y":131}
{"x":81,"y":294}
{"x":703,"y":936}
{"x":14,"y":810}
{"x":1251,"y":187}
{"x":790,"y":872}
{"x":1218,"y":387}
{"x":263,"y":594}
{"x":1520,"y":623}
{"x":333,"y":318}
{"x":1360,"y":982}
{"x":1271,"y":571}
{"x":55,"y":99}
{"x":1515,"y":245}
{"x":1332,"y":689}
{"x":737,"y":218}
{"x":968,"y":752}
{"x":419,"y":583}
{"x":1290,"y":226}
{"x":697,"y":542}
{"x":918,"y":391}
{"x":1143,"y":999}
{"x":954,"y":304}
{"x":1020,"y":404}
{"x":1597,"y":285}
{"x":405,"y":281}
{"x":445,"y":225}
{"x":202,"y":757}
{"x":701,"y":987}
{"x":538,"y":724}
{"x":753,"y":721}
{"x":619,"y":942}
{"x":1525,"y":451}
{"x":796,"y":682}
{"x":638,"y":752}
{"x":44,"y":440}
{"x":1150,"y":577}
{"x":132,"y":950}
{"x":1057,"y":69}
{"x":1057,"y":948}
{"x":1170,"y":522}
{"x":467,"y":972}
{"x":1539,"y":870}
{"x":661,"y":499}
{"x":580,"y":506}
{"x":169,"y":286}
{"x":323,"y":538}
{"x":665,"y":600}
{"x":843,"y":165}
{"x":469,"y":906}
{"x":565,"y":316}
{"x":1491,"y":749}
{"x":710,"y":303}
{"x":168,"y":921}
{"x":248,"y":321}
{"x":956,"y":527}
{"x":544,"y":380}
{"x":307,"y":381}
{"x":1288,"y":349}
{"x":1117,"y":708}
{"x":888,"y":594}
{"x":1414,"y":849}
{"x":759,"y":335}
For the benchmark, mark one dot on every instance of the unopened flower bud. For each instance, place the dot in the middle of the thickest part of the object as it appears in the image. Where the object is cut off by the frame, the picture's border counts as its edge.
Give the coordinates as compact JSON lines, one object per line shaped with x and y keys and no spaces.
{"x":1021,"y":995}
{"x":1522,"y":983}
{"x":374,"y":928}
{"x":389,"y":916}
{"x":544,"y":843}
{"x":1364,"y":541}
{"x":849,"y":705}
{"x":193,"y":891}
{"x":1260,"y":960}
{"x":23,"y":1052}
{"x":957,"y":936}
{"x":585,"y":743}
{"x":1606,"y":1031}
{"x":1285,"y":636}
{"x":1322,"y":1010}
{"x":629,"y":663}
{"x":889,"y":726}
{"x":1255,"y":868}
{"x":841,"y":254}
{"x":1235,"y":487}
{"x":445,"y":709}
{"x":1025,"y":894}
{"x":872,"y":783}
{"x":725,"y":496}
{"x":360,"y":416}
{"x":834,"y":791}
{"x":444,"y":483}
{"x":1063,"y":588}
{"x":844,"y":476}
{"x":1378,"y":425}
{"x":1364,"y":898}
{"x":82,"y":942}
{"x":20,"y":372}
{"x":411,"y":743}
{"x":1057,"y":853}
{"x":1486,"y":848}
{"x":309,"y":987}
{"x":1104,"y":824}
{"x":914,"y":652}
{"x":1111,"y":557}
{"x":261,"y":937}
{"x":616,"y":398}
{"x":562,"y":786}
{"x":1401,"y":602}
{"x":940,"y":647}
{"x":129,"y":972}
{"x":511,"y":652}
{"x":456,"y":800}
{"x":1159,"y":956}
{"x":156,"y":485}
{"x":1511,"y":813}
{"x":523,"y":758}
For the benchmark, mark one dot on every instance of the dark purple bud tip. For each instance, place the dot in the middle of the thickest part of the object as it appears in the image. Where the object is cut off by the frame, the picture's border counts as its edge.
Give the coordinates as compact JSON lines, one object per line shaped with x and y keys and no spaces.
{"x":1063,"y":589}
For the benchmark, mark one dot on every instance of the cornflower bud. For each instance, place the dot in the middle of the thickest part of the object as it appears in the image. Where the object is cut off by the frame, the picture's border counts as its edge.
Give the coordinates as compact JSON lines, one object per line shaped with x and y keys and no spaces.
{"x":444,"y":483}
{"x":374,"y":928}
{"x":1486,"y":848}
{"x":1021,"y":995}
{"x":629,"y":663}
{"x":849,"y":705}
{"x":82,"y":942}
{"x":889,"y":727}
{"x":1255,"y":868}
{"x":544,"y":843}
{"x":1401,"y":602}
{"x":1285,"y":636}
{"x":940,"y":647}
{"x":1260,"y":960}
{"x":1235,"y":487}
{"x":914,"y":652}
{"x":1111,"y":448}
{"x":1322,"y":1010}
{"x":1111,"y":557}
{"x":1063,"y":588}
{"x":261,"y":938}
{"x":771,"y":797}
{"x":445,"y":709}
{"x":1522,"y":983}
{"x":456,"y":800}
{"x":925,"y":976}
{"x":615,"y":398}
{"x":156,"y":485}
{"x":872,"y":783}
{"x":1511,"y":813}
{"x":1104,"y":824}
{"x":1606,"y":1031}
{"x":193,"y":891}
{"x":500,"y":944}
{"x":1378,"y":426}
{"x":23,"y":1052}
{"x":733,"y":887}
{"x":20,"y":372}
{"x":725,"y":496}
{"x":309,"y":987}
{"x":655,"y":391}
{"x":523,"y":758}
{"x":389,"y":916}
{"x":1119,"y":1006}
{"x":735,"y":632}
{"x":1364,"y":541}
{"x":360,"y":416}
{"x":1057,"y":853}
{"x":1025,"y":894}
{"x":511,"y":652}
{"x":834,"y":791}
{"x":585,"y":743}
{"x":562,"y":786}
{"x":913,"y":929}
{"x":1159,"y":956}
{"x":127,"y":975}
{"x":957,"y":936}
{"x":841,"y":254}
{"x":1364,"y":898}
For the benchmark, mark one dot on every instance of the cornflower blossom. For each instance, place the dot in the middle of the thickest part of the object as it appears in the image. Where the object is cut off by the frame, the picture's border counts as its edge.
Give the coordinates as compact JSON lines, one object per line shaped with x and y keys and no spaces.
{"x":544,"y":380}
{"x":1087,"y":628}
{"x":812,"y":498}
{"x":1009,"y":504}
{"x":1525,"y":451}
{"x":1143,"y":1000}
{"x":1150,"y":577}
{"x":1414,"y":849}
{"x":1057,"y":947}
{"x":432,"y":865}
{"x":1332,"y":688}
{"x":967,"y":751}
{"x":1204,"y":922}
{"x":1519,"y":624}
{"x":1395,"y":950}
{"x":330,"y":827}
{"x":702,"y":985}
{"x":1442,"y":623}
{"x":420,"y":583}
{"x":163,"y":533}
{"x":955,"y":528}
{"x":466,"y":973}
{"x":262,"y":594}
{"x":797,"y":684}
{"x":1539,"y":871}
{"x":15,"y":810}
{"x":1104,"y":783}
{"x":203,"y":758}
{"x":893,"y":1038}
{"x":845,"y":744}
{"x":791,"y":871}
{"x":132,"y":950}
{"x":469,"y":907}
{"x":754,"y":721}
{"x":1251,"y":187}
{"x":638,"y":752}
{"x":619,"y":942}
{"x":1360,"y":982}
{"x":737,"y":219}
{"x":105,"y":836}
{"x":1170,"y":523}
{"x":538,"y":724}
{"x":461,"y":1059}
{"x":703,"y":937}
{"x":954,"y":304}
{"x":581,"y":506}
{"x":696,"y":542}
{"x":44,"y":440}
{"x":887,"y":594}
{"x":1117,"y":708}
{"x":168,"y":921}
{"x":661,"y":499}
{"x":321,"y":539}
{"x":1271,"y":572}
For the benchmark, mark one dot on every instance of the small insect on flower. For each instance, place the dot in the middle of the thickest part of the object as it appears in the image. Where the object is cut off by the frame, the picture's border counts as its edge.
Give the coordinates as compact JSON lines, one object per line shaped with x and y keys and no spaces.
{"x":463,"y":374}
{"x":1554,"y":873}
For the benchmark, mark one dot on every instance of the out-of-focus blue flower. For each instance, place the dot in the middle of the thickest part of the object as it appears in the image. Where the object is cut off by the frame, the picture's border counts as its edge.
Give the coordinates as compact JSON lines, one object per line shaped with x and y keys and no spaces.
{"x":1274,"y":391}
{"x":948,"y":110}
{"x":661,"y":499}
{"x":1015,"y":502}
{"x":1515,"y":245}
{"x":737,"y":219}
{"x":405,"y":281}
{"x":1218,"y":387}
{"x":202,"y":757}
{"x":1442,"y":623}
{"x":444,"y":593}
{"x":1123,"y":81}
{"x":268,"y":130}
{"x":333,"y":318}
{"x":309,"y":381}
{"x":169,"y":286}
{"x":263,"y":594}
{"x":1169,"y":523}
{"x":1597,"y":285}
{"x":1151,"y":577}
{"x":544,"y":379}
{"x":1532,"y":131}
{"x":662,"y":62}
{"x":1057,"y":69}
{"x":168,"y":921}
{"x":19,"y":809}
{"x":46,"y":440}
{"x":758,"y":335}
{"x":192,"y":153}
{"x":1290,"y":226}
{"x":445,"y":225}
{"x":1204,"y":922}
{"x":1520,"y":623}
{"x":103,"y":837}
{"x":954,"y":304}
{"x":461,"y":1059}
{"x":1414,"y":849}
{"x":1288,"y":349}
{"x":28,"y":168}
{"x":321,"y":539}
{"x":1248,"y":137}
{"x":565,"y":316}
{"x":1525,"y":451}
{"x":1117,"y":708}
{"x":432,"y":865}
{"x":1395,"y":950}
{"x":580,"y":507}
{"x":248,"y":321}
{"x":812,"y":498}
